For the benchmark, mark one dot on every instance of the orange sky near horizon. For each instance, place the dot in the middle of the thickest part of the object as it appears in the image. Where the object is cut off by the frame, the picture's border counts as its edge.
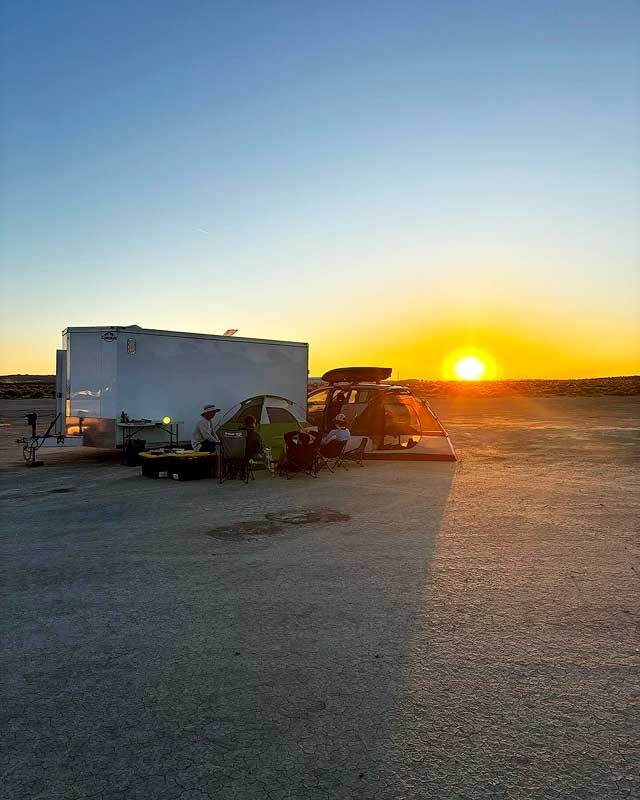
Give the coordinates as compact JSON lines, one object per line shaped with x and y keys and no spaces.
{"x":539,"y":310}
{"x":412,"y":347}
{"x":516,"y":353}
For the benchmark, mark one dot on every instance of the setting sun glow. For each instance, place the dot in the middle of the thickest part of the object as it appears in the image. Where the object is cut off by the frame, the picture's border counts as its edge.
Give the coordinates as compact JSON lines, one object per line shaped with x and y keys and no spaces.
{"x":469,"y":363}
{"x":469,"y":368}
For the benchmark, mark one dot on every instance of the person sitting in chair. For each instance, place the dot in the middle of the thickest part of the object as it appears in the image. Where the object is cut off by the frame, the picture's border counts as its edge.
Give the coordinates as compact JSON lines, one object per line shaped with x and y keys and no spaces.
{"x":334,"y":439}
{"x":254,"y":445}
{"x":204,"y":438}
{"x":299,"y":448}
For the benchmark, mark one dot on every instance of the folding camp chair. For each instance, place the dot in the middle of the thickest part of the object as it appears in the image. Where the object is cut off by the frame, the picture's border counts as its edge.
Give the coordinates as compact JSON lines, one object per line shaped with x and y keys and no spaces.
{"x":330,"y":458}
{"x":356,"y":454}
{"x":298,"y":457}
{"x":235,"y":463}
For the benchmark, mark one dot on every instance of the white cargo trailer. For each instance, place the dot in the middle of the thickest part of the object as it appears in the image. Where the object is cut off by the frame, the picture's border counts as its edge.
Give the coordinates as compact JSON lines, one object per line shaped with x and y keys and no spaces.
{"x":154,"y":375}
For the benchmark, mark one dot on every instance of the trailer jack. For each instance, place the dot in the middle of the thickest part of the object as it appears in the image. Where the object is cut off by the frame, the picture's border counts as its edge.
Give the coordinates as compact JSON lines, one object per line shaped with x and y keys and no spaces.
{"x":31,"y":444}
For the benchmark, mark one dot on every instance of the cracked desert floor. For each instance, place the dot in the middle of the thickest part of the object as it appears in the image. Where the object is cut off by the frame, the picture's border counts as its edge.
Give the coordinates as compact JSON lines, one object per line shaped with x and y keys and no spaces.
{"x":470,"y":630}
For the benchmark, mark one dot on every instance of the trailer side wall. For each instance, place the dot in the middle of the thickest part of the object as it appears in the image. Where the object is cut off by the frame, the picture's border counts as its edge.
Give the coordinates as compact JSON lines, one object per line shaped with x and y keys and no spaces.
{"x":174,"y":376}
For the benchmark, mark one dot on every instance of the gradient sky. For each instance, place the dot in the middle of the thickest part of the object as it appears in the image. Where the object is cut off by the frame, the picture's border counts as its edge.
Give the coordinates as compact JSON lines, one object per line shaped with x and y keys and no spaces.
{"x":389,"y":181}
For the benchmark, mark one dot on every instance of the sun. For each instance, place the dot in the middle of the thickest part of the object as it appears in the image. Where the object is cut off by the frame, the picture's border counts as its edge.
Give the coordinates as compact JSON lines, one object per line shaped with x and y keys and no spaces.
{"x":469,"y":363}
{"x":469,"y":368}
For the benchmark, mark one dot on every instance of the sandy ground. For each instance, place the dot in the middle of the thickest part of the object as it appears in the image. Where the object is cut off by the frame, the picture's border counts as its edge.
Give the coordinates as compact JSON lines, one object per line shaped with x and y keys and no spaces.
{"x":470,"y":631}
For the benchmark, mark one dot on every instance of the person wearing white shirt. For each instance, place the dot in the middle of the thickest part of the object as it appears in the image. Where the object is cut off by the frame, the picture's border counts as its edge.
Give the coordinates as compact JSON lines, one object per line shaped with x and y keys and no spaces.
{"x":204,"y":438}
{"x":339,"y":433}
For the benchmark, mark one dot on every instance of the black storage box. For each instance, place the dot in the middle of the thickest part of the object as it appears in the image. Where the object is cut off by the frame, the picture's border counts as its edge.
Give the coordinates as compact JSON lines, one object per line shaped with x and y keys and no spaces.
{"x":192,"y":468}
{"x":156,"y":466}
{"x":185,"y":466}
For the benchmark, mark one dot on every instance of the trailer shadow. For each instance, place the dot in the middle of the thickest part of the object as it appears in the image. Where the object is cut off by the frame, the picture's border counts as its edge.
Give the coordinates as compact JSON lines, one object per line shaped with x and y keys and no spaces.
{"x":321,"y":622}
{"x":245,"y":665}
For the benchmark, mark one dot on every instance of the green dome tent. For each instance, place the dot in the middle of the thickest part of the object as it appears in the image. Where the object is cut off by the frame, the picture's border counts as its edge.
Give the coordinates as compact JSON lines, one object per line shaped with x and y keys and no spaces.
{"x":274,"y":416}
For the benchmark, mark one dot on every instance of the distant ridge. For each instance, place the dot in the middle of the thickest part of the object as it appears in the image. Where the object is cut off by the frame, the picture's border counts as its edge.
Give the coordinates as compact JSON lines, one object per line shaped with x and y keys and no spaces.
{"x":620,"y":386}
{"x":41,"y":386}
{"x":25,"y":387}
{"x":623,"y":386}
{"x":27,"y":378}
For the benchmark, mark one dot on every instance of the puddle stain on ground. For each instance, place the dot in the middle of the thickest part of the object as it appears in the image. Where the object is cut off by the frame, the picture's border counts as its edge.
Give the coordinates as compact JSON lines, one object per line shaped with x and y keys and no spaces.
{"x":307,"y":517}
{"x":276,"y":522}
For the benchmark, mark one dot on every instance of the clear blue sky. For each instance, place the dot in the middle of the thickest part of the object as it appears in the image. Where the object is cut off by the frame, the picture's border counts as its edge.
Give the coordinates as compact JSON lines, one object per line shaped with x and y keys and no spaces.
{"x":469,"y":170}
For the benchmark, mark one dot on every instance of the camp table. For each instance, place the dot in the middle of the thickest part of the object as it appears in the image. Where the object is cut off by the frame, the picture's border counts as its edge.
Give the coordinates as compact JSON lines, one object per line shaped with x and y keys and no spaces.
{"x":129,"y":429}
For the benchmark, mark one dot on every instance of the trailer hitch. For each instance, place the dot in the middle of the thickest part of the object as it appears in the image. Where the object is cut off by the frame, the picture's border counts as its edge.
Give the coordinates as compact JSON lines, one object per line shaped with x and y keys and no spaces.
{"x":31,"y":444}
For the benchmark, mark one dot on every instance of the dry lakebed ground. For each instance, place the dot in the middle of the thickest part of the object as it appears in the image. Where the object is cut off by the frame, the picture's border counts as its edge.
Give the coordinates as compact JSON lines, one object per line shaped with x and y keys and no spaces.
{"x":404,"y":631}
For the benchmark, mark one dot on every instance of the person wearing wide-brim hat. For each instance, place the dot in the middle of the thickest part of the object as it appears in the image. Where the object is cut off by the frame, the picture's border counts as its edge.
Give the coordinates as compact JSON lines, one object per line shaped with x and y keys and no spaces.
{"x":204,"y":438}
